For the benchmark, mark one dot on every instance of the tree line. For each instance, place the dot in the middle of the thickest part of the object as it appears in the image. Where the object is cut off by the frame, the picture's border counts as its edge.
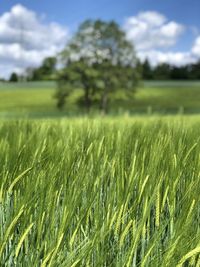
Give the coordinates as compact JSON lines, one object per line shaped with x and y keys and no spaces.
{"x":166,"y":71}
{"x":48,"y":71}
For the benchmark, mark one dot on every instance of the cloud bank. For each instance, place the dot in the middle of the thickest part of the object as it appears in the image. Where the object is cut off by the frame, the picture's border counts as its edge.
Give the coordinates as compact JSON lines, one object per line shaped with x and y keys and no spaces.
{"x":25,"y":39}
{"x":196,"y":47}
{"x":151,"y":32}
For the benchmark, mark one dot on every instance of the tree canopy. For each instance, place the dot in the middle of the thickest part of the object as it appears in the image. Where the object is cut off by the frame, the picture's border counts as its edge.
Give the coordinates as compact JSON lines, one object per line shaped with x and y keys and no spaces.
{"x":164,"y":71}
{"x":100,"y":60}
{"x":47,"y":70}
{"x":14,"y":77}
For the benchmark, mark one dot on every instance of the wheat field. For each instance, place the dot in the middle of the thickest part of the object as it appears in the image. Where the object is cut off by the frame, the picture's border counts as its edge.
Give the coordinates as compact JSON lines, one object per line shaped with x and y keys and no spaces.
{"x":100,"y":192}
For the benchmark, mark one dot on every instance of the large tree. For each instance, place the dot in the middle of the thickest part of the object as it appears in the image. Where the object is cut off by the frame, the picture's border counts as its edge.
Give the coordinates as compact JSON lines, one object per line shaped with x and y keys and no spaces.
{"x":100,"y":60}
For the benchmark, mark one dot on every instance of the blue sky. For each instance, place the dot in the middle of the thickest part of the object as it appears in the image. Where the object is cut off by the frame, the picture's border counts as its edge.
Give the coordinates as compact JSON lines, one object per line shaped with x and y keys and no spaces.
{"x":72,"y":12}
{"x":163,"y":31}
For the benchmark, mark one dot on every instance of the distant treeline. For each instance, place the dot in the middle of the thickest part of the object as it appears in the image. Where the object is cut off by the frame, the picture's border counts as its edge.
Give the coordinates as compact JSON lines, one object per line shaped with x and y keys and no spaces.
{"x":168,"y":72}
{"x":48,"y":71}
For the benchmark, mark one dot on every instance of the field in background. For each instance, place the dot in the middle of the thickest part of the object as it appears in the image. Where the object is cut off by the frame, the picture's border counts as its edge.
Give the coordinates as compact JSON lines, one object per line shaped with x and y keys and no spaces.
{"x":36,"y":99}
{"x":103,"y":192}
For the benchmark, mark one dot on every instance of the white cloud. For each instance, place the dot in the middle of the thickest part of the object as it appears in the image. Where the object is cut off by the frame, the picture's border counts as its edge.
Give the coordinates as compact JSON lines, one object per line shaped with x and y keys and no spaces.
{"x":150,"y":30}
{"x":153,"y":35}
{"x":196,"y":47}
{"x":152,"y":18}
{"x":174,"y":58}
{"x":25,"y":39}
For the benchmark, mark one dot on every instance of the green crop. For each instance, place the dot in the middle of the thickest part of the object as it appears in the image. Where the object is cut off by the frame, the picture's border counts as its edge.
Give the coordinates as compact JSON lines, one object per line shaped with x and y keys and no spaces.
{"x":100,"y":192}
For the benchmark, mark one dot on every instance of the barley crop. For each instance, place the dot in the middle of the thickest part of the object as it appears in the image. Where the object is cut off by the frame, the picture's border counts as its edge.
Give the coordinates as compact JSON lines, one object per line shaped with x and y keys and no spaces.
{"x":100,"y":192}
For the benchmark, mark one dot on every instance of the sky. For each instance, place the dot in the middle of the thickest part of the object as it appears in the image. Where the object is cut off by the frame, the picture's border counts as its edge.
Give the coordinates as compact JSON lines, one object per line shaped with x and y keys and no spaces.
{"x":162,"y":31}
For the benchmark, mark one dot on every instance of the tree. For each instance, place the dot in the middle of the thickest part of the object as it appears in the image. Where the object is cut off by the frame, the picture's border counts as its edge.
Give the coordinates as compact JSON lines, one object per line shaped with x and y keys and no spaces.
{"x":179,"y":73}
{"x":147,"y":72}
{"x":77,"y":74}
{"x":162,"y":72}
{"x":194,"y":71}
{"x":45,"y":72}
{"x":48,"y":66}
{"x":14,"y":77}
{"x":99,"y":60}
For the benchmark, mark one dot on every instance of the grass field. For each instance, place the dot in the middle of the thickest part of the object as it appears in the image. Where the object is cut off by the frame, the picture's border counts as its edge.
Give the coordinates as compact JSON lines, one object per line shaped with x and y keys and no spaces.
{"x":36,"y":99}
{"x":100,"y":192}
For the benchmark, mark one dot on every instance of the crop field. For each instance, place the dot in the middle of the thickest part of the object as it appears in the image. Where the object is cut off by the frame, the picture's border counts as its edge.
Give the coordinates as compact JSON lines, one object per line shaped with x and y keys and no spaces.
{"x":100,"y":192}
{"x":36,"y":99}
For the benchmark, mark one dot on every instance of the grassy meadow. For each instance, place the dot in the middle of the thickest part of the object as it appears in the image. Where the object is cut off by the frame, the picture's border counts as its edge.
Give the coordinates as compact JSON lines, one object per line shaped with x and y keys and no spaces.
{"x":100,"y":192}
{"x":35,"y":99}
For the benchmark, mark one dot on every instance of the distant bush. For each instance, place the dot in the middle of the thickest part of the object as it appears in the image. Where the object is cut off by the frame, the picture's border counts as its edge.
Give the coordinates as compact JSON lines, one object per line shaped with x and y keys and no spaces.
{"x":14,"y":77}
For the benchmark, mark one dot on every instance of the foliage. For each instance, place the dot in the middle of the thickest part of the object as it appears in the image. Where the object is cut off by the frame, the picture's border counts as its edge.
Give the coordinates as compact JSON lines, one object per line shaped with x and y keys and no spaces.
{"x":77,"y":75}
{"x":162,"y":72}
{"x":99,"y":60}
{"x":147,"y":73}
{"x":166,"y":71}
{"x":47,"y":71}
{"x":14,"y":77}
{"x":121,"y":192}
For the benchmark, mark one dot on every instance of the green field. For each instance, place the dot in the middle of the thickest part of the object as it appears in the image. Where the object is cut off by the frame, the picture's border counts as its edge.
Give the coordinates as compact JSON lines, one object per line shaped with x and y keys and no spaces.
{"x":36,"y":99}
{"x":120,"y":192}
